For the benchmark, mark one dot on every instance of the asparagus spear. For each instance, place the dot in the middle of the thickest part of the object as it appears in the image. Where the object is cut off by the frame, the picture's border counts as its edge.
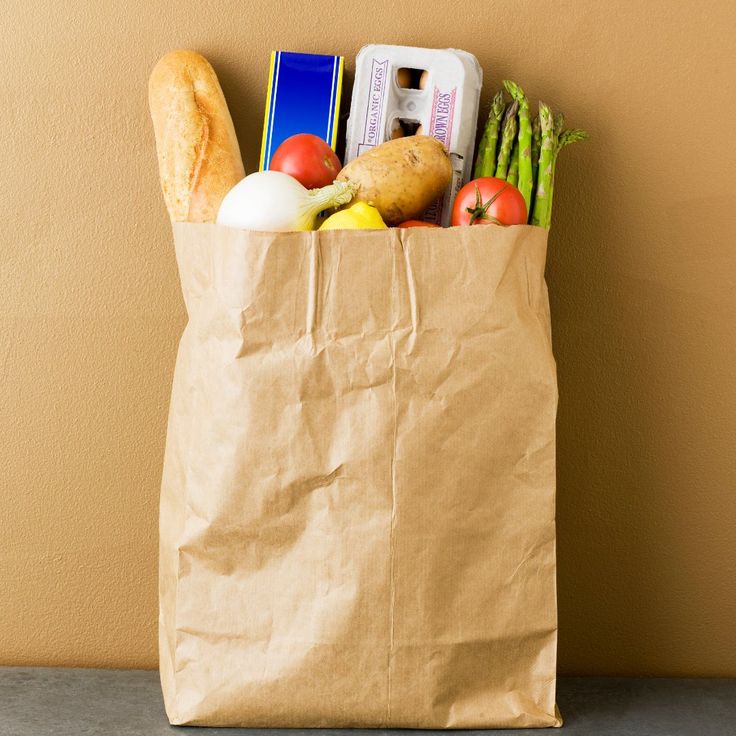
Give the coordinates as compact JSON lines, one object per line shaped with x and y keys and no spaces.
{"x":507,"y":139}
{"x":525,"y":178}
{"x":565,"y":139}
{"x":536,"y":146}
{"x":512,"y":177}
{"x":540,"y":213}
{"x":485,"y":163}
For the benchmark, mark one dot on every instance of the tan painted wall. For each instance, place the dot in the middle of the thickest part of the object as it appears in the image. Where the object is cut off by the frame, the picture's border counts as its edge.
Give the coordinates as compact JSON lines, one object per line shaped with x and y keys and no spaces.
{"x":642,"y":274}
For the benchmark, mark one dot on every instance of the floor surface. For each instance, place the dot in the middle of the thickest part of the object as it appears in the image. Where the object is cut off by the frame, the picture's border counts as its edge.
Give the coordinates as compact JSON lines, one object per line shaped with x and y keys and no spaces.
{"x":68,"y":702}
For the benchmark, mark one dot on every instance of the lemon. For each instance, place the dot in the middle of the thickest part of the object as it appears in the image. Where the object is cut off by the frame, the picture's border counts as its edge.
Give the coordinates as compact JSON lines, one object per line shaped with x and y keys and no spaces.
{"x":360,"y":216}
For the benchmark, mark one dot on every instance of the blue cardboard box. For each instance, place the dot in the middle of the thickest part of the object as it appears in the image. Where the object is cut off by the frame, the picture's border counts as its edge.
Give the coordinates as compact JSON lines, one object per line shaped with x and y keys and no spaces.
{"x":303,"y":97}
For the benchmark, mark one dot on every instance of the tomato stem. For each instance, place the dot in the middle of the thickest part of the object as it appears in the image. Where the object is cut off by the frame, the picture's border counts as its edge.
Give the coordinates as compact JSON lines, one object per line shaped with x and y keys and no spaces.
{"x":480,"y":211}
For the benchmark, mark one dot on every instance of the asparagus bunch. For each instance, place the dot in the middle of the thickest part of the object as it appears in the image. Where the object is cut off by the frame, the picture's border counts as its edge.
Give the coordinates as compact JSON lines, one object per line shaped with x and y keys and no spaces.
{"x":524,"y":151}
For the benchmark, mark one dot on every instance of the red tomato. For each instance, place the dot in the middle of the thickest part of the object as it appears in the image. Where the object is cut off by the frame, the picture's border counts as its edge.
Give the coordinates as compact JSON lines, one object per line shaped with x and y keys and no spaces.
{"x":489,"y":201}
{"x":308,"y":159}
{"x":416,"y":223}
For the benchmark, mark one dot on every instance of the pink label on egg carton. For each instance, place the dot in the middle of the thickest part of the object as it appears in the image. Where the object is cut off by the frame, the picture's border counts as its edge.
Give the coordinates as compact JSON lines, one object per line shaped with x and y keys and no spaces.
{"x":443,"y":111}
{"x":373,"y":134}
{"x":440,"y":127}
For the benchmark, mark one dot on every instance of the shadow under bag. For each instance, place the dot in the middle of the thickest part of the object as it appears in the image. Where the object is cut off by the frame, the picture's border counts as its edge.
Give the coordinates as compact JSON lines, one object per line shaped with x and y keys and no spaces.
{"x":358,"y":499}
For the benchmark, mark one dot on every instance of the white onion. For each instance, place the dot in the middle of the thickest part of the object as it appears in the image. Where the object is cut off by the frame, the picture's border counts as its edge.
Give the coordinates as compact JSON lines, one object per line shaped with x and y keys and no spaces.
{"x":274,"y":202}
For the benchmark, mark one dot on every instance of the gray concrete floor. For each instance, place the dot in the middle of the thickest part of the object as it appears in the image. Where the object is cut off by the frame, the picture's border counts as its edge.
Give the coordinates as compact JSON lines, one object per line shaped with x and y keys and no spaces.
{"x":67,"y":702}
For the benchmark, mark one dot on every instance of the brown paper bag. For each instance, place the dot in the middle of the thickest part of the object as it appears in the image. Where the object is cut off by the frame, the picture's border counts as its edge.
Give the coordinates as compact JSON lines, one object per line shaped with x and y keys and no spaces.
{"x":358,"y":500}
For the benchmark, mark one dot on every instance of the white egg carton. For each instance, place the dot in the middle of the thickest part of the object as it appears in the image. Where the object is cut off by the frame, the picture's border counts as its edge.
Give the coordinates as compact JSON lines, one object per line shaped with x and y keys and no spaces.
{"x":403,"y":90}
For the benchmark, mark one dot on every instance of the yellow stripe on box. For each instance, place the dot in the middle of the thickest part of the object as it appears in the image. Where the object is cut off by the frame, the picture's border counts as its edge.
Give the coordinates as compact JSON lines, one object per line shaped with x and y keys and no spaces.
{"x":338,"y":95}
{"x":266,"y":116}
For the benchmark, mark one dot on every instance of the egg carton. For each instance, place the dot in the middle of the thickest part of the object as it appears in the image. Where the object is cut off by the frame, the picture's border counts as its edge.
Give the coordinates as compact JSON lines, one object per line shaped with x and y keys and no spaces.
{"x":404,"y":90}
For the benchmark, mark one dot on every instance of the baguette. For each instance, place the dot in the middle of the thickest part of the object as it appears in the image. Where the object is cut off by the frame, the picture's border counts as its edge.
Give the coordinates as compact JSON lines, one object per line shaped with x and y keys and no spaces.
{"x":198,"y":154}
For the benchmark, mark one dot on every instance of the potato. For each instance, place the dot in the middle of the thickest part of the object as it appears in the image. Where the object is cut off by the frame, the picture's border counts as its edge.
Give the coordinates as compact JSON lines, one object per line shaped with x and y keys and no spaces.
{"x":401,"y":177}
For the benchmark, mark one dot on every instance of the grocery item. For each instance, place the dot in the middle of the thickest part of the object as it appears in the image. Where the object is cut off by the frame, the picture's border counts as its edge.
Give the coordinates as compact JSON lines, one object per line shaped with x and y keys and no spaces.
{"x":521,"y":160}
{"x":566,"y":138}
{"x":513,"y":174}
{"x":402,"y":90}
{"x":489,"y":201}
{"x":485,"y":164}
{"x":509,"y":128}
{"x":526,"y":155}
{"x":198,"y":155}
{"x":276,"y":202}
{"x":416,"y":223}
{"x":358,"y":216}
{"x":543,"y":194}
{"x":307,"y":158}
{"x":569,"y":136}
{"x":536,"y":148}
{"x":303,"y":97}
{"x":401,"y":177}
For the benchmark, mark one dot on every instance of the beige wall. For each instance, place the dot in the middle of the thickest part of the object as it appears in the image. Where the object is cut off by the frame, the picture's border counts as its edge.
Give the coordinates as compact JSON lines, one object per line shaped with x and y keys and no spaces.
{"x":642,"y":274}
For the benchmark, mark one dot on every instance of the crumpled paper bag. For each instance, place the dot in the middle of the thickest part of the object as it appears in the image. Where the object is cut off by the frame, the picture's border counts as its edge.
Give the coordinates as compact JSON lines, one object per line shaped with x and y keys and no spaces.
{"x":358,"y":499}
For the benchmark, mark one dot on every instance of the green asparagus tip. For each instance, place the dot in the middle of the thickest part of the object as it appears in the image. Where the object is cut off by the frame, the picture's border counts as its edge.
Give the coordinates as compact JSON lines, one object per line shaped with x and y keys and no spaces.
{"x":498,"y":104}
{"x":571,"y":136}
{"x":516,"y":92}
{"x":544,"y":110}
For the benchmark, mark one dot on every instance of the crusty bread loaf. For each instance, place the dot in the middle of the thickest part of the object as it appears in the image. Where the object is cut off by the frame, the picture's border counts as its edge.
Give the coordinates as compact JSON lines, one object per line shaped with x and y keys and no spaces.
{"x":198,"y":155}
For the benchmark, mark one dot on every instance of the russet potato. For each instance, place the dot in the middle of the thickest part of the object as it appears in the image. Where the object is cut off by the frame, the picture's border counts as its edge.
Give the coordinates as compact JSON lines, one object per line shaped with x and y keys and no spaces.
{"x":401,"y":177}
